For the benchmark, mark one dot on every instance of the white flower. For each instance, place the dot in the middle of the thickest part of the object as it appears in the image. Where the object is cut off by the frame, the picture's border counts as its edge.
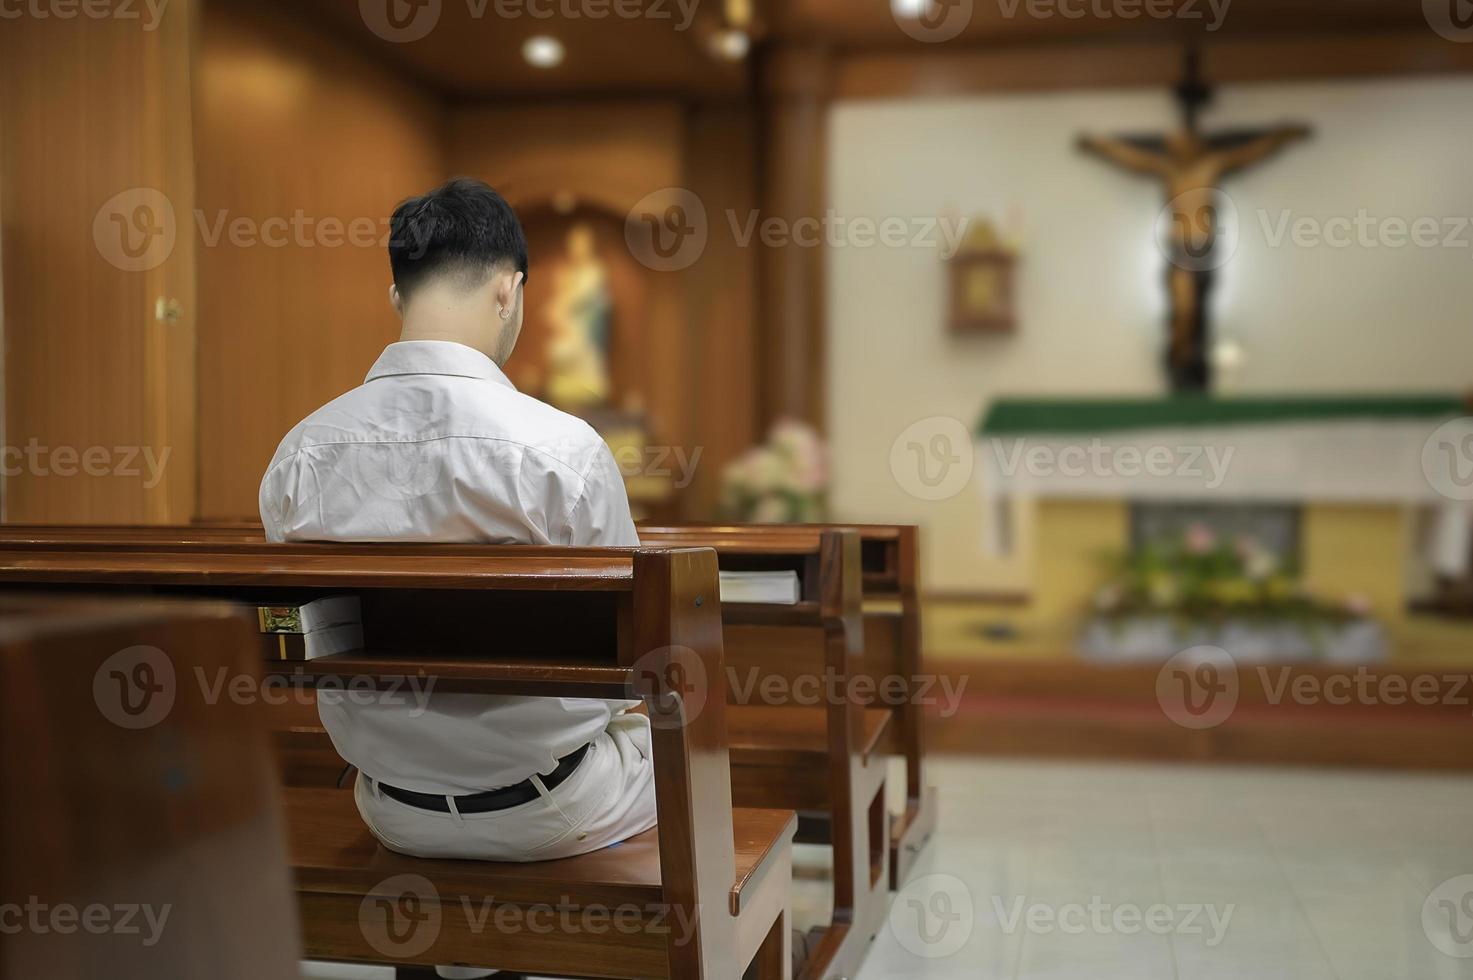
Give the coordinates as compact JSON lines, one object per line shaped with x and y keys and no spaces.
{"x":770,"y":510}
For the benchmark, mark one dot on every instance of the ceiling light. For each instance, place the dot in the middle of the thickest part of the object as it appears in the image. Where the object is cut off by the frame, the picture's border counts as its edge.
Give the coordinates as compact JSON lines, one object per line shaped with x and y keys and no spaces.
{"x":731,"y":44}
{"x":739,"y":12}
{"x":910,"y":8}
{"x":543,"y":51}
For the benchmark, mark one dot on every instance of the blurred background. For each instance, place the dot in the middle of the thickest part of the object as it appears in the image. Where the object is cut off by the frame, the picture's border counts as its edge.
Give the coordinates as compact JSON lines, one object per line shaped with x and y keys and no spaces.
{"x":1153,"y":314}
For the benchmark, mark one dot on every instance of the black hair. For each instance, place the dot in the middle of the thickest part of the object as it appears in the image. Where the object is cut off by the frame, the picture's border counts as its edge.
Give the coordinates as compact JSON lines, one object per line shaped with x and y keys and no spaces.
{"x":462,"y":228}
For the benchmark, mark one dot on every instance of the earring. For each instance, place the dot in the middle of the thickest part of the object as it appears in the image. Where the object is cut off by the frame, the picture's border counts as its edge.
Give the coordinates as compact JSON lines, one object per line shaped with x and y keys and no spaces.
{"x":505,"y":313}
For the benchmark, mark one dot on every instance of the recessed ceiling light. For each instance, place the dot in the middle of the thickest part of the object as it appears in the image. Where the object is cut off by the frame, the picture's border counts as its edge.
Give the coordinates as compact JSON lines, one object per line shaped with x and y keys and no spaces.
{"x":543,"y":51}
{"x":731,"y":44}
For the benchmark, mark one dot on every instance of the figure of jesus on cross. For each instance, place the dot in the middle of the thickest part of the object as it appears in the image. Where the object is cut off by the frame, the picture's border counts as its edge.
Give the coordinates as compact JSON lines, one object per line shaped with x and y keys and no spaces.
{"x":1191,"y":165}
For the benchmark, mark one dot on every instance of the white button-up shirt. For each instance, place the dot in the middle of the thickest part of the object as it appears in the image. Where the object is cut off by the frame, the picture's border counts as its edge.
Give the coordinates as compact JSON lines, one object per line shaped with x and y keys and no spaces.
{"x":438,"y":445}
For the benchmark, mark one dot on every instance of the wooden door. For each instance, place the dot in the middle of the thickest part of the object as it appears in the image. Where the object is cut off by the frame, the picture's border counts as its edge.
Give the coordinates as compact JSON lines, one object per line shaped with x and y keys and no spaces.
{"x":97,"y":256}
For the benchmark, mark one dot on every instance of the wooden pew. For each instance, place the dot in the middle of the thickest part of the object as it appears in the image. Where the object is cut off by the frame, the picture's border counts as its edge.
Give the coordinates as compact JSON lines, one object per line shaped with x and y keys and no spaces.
{"x":889,"y":560}
{"x":792,"y":717}
{"x":143,"y":835}
{"x":889,"y":563}
{"x":703,"y":895}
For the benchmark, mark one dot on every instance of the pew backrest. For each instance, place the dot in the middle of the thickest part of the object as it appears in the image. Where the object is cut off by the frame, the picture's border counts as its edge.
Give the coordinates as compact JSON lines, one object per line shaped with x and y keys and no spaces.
{"x":143,"y":835}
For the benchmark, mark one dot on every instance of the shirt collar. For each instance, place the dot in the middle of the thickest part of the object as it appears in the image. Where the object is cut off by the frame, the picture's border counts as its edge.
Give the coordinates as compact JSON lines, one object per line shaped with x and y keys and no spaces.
{"x":436,"y":357}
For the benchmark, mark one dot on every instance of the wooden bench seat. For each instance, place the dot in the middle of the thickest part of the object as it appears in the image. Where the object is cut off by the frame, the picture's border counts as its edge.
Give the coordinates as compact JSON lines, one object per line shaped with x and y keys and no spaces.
{"x":494,"y":912}
{"x":333,"y":852}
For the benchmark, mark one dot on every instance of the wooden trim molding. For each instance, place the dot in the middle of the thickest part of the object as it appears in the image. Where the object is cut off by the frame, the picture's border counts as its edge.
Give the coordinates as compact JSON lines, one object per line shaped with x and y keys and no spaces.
{"x":942,"y":72}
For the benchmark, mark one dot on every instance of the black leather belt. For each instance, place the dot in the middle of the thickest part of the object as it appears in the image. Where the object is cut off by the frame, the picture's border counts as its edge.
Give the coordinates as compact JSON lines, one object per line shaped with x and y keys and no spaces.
{"x":497,"y":799}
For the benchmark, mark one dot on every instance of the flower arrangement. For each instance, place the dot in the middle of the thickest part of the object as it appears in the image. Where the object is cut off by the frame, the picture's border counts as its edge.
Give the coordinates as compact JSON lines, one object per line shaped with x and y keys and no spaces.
{"x":783,"y":481}
{"x":1197,"y":588}
{"x":1198,"y":577}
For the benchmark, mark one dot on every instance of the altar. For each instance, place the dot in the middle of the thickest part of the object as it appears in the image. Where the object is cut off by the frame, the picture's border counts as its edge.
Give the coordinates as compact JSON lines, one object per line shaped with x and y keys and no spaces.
{"x":1219,"y":515}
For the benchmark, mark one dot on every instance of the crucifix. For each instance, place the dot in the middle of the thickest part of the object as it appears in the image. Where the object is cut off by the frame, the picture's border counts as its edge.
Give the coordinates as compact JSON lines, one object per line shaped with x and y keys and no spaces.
{"x":1190,"y":165}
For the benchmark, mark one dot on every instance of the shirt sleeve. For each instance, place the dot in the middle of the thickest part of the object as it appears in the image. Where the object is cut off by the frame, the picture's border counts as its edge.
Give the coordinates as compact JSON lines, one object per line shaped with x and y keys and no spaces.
{"x":266,"y":501}
{"x":600,"y":517}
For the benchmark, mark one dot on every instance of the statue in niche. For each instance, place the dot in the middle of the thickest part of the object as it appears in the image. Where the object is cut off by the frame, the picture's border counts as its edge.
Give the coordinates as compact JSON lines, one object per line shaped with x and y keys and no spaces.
{"x":578,"y":315}
{"x":1190,"y":165}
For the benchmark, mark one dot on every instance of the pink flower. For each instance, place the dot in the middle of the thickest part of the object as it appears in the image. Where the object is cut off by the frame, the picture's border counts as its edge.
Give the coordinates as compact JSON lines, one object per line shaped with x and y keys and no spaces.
{"x":1200,"y":539}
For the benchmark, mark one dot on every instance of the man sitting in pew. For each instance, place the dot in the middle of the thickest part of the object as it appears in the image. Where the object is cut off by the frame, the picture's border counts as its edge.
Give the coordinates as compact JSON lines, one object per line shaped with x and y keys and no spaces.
{"x":437,"y":445}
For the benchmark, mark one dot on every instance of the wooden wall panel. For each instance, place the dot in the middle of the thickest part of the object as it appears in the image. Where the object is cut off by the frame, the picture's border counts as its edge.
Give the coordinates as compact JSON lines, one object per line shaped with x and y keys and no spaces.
{"x":606,"y":154}
{"x":94,"y":385}
{"x":726,"y":414}
{"x":294,"y":127}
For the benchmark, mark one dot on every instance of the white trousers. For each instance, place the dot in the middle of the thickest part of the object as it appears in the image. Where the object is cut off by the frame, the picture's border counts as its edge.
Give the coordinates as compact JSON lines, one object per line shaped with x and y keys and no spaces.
{"x":610,"y":797}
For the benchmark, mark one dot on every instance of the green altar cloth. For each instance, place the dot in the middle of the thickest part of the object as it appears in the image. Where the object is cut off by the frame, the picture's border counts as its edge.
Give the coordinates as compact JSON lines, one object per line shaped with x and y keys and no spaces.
{"x":1069,"y":416}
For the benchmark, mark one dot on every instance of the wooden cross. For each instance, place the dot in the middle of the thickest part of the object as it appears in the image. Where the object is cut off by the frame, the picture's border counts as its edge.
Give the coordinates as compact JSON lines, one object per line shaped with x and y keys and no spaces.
{"x":1190,"y":166}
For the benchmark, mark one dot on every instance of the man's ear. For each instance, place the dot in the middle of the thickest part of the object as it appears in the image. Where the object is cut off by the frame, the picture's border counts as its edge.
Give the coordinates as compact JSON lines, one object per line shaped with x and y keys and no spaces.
{"x":506,"y":296}
{"x":395,"y":300}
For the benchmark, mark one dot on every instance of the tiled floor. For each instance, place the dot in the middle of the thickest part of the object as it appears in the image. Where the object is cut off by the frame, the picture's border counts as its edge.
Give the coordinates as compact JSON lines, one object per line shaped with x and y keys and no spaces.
{"x":1050,"y":871}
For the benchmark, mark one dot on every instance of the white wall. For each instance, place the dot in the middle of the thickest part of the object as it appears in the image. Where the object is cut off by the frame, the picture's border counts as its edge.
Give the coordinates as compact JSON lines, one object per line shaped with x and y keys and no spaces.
{"x":1091,"y":301}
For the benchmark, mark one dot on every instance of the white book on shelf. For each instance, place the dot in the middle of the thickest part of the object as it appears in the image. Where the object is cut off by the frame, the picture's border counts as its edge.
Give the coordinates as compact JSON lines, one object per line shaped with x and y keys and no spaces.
{"x":778,"y":588}
{"x":324,"y":642}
